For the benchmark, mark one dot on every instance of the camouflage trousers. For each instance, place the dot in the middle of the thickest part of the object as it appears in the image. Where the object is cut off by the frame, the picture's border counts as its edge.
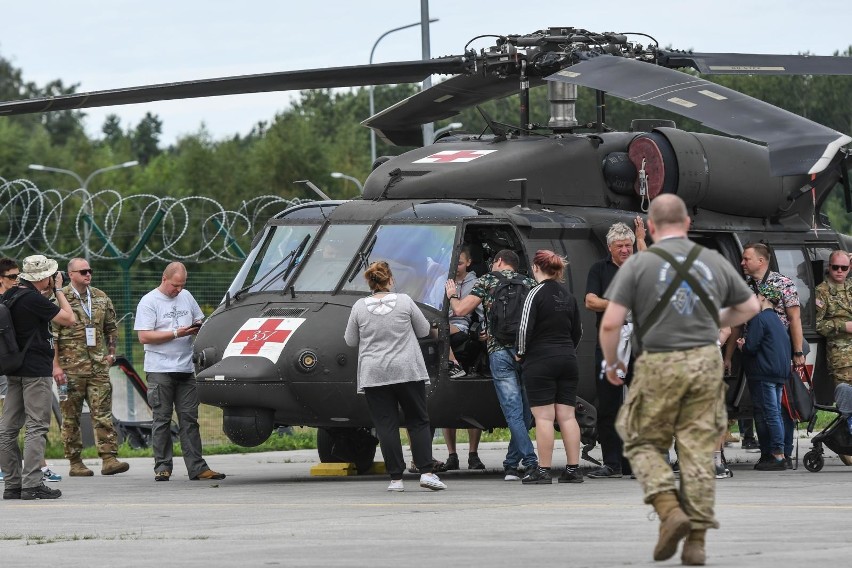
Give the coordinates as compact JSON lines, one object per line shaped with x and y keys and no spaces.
{"x":97,"y":392}
{"x":677,"y":394}
{"x":842,"y":375}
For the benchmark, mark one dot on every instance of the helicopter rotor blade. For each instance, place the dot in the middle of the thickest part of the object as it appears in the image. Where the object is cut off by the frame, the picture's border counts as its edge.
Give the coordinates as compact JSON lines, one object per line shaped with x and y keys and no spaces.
{"x":796,"y":144}
{"x":355,"y":76}
{"x":400,"y":124}
{"x":757,"y":64}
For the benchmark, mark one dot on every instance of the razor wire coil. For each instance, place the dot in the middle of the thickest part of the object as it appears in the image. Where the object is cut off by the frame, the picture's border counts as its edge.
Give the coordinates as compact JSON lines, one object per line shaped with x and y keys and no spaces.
{"x":59,"y":223}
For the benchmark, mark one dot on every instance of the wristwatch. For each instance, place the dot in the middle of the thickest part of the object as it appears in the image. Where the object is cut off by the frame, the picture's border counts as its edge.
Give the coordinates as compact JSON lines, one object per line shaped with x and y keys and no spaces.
{"x":456,"y":296}
{"x":798,"y":354}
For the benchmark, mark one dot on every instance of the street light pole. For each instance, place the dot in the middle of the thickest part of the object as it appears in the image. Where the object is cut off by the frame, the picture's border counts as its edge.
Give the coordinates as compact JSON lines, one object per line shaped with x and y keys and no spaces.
{"x":372,"y":103}
{"x":338,"y":175}
{"x":84,"y":187}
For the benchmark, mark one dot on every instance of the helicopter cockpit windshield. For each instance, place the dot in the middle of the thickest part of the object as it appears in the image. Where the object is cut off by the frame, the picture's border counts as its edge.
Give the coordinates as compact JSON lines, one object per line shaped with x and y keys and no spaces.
{"x":419,"y":257}
{"x":266,"y":264}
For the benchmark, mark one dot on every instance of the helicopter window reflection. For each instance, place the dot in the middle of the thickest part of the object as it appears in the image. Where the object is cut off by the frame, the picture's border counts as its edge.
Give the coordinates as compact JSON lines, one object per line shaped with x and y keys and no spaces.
{"x":419,"y":257}
{"x":266,"y":262}
{"x":792,"y":264}
{"x":331,"y":257}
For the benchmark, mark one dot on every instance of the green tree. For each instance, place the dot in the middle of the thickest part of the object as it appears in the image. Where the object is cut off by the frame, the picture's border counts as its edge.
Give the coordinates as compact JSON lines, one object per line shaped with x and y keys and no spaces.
{"x":145,"y":140}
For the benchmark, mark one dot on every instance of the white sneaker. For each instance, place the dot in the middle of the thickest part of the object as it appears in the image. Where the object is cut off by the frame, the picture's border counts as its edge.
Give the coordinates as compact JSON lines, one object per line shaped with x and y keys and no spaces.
{"x":396,"y":485}
{"x":431,"y":481}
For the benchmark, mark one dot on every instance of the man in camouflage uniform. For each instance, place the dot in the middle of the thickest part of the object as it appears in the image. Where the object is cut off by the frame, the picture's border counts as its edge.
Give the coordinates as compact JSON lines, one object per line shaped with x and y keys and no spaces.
{"x":677,"y":387}
{"x":84,"y":352}
{"x":834,"y":316}
{"x":505,"y":369}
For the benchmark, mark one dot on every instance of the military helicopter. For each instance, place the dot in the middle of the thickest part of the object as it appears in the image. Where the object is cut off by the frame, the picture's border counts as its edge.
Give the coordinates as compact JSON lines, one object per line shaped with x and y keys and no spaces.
{"x":273,"y":352}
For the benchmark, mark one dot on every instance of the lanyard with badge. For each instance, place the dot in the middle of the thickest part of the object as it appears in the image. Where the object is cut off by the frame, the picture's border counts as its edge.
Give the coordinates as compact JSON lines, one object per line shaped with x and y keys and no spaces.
{"x":91,"y":337}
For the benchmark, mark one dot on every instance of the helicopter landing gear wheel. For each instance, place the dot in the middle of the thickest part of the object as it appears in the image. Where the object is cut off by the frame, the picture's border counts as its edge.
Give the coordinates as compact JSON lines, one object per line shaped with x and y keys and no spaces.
{"x":813,"y":461}
{"x":354,"y":445}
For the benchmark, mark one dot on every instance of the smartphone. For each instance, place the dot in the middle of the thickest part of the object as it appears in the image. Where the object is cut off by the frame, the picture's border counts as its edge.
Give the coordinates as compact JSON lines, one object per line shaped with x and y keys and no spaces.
{"x":195,"y":324}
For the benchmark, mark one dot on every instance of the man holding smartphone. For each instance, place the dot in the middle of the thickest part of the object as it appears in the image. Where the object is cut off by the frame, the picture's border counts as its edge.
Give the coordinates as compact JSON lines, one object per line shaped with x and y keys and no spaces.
{"x":84,"y":353}
{"x":167,"y":318}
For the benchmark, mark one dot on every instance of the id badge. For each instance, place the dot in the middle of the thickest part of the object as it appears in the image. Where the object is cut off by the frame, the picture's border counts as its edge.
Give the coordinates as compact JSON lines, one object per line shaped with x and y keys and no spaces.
{"x":91,"y":339}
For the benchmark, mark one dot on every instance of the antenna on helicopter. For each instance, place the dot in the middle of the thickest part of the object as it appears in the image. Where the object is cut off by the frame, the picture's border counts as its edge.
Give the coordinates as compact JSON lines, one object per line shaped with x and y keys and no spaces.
{"x":316,"y":190}
{"x":495,"y":127}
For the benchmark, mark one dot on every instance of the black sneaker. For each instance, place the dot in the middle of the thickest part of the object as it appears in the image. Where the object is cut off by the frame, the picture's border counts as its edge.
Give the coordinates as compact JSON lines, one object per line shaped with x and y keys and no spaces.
{"x":763,"y":459}
{"x":789,"y":461}
{"x":40,"y":492}
{"x":571,"y":476}
{"x":452,"y":462}
{"x":456,"y":371}
{"x":750,"y":444}
{"x":605,"y":472}
{"x":511,"y":474}
{"x":12,"y":493}
{"x":772,"y":465}
{"x":473,"y":461}
{"x":538,"y":476}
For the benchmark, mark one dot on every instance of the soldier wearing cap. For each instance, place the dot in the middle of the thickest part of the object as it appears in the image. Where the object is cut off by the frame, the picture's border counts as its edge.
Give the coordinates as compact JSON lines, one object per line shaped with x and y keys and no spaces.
{"x":30,"y":394}
{"x":84,"y":353}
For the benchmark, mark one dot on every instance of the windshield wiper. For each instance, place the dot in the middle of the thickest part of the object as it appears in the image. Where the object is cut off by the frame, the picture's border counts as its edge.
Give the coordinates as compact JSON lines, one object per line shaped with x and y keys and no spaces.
{"x":297,"y":254}
{"x":291,"y":256}
{"x":363,"y":258}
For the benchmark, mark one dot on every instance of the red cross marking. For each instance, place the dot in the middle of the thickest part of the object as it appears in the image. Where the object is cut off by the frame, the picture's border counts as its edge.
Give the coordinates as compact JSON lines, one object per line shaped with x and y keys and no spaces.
{"x":266,"y":333}
{"x":448,"y":156}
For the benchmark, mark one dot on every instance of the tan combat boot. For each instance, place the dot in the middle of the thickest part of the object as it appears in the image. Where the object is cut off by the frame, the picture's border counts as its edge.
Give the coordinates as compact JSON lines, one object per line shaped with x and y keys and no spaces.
{"x":693,"y":549}
{"x":78,"y":469}
{"x":674,"y":524}
{"x":111,"y":466}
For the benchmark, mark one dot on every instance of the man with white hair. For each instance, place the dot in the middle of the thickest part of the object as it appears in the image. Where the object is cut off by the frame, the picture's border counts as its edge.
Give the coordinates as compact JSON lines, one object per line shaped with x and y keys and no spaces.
{"x":619,"y":240}
{"x":30,"y":392}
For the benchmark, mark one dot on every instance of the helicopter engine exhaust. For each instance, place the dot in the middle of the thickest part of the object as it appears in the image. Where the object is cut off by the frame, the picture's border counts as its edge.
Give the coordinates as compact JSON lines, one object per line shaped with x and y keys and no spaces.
{"x":711,"y":172}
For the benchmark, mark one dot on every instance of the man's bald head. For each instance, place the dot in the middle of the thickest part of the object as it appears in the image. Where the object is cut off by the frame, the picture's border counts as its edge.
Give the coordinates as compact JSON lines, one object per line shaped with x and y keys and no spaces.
{"x":668,"y":209}
{"x":174,"y":268}
{"x":667,"y":217}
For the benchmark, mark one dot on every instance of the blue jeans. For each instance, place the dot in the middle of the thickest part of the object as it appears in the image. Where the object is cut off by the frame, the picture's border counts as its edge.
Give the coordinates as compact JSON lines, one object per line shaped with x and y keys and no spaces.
{"x":767,"y":416}
{"x":506,"y":373}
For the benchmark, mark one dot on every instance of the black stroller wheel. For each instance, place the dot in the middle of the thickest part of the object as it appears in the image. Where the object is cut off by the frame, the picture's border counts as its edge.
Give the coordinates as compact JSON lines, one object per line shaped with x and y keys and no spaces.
{"x":813,"y":461}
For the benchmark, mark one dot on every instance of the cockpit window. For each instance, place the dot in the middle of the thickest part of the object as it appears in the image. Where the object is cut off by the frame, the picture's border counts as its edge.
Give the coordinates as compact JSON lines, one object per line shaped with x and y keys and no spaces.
{"x":266,"y":264}
{"x":419,"y":257}
{"x":332,"y":255}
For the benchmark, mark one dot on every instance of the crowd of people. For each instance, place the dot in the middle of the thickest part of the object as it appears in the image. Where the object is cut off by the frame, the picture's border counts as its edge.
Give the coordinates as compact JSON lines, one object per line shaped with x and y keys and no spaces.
{"x":670,"y":321}
{"x":67,"y":335}
{"x":677,"y":308}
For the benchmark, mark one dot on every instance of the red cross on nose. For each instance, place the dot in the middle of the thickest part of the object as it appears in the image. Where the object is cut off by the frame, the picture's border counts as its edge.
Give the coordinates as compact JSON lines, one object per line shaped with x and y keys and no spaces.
{"x":266,"y":333}
{"x":453,"y":156}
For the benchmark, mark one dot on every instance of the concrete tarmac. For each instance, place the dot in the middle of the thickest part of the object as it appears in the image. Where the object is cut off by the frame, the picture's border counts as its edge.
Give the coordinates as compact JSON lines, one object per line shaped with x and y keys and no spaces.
{"x":271,"y":512}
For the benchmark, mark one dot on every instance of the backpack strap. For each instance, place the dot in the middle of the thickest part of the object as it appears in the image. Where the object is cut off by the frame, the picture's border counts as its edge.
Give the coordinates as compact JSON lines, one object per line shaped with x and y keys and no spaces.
{"x":683,"y":275}
{"x":10,"y":298}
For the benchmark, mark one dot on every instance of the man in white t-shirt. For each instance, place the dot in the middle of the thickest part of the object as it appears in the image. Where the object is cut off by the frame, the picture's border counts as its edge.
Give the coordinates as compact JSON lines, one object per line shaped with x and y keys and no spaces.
{"x":167,"y":318}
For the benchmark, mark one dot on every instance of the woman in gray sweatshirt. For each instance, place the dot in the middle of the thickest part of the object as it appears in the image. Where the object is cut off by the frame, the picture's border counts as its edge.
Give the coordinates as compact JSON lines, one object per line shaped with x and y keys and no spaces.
{"x":392,"y":373}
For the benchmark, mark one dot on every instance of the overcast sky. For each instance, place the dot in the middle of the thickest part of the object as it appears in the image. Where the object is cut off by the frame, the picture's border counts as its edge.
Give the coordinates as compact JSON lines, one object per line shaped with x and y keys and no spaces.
{"x":118,"y":43}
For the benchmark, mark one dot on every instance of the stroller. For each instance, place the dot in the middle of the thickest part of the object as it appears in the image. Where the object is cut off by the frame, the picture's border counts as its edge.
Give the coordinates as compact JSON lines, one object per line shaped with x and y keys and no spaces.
{"x":835,"y":436}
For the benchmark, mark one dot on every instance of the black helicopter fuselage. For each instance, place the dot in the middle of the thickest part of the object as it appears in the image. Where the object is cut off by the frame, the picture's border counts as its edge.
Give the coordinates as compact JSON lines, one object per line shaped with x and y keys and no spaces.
{"x":274,"y":353}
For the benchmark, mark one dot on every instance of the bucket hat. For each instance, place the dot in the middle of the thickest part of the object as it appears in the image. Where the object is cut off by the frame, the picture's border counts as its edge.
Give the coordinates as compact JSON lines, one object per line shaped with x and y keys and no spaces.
{"x":38,"y":267}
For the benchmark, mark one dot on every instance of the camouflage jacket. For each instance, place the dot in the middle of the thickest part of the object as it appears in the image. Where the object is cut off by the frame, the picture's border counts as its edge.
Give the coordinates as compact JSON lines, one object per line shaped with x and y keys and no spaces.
{"x":833,"y":310}
{"x":483,"y":289}
{"x":75,"y":357}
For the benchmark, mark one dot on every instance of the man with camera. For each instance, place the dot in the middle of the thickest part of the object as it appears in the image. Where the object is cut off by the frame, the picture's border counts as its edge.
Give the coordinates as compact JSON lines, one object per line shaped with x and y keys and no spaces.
{"x":30,"y":393}
{"x":167,"y":318}
{"x":84,"y":354}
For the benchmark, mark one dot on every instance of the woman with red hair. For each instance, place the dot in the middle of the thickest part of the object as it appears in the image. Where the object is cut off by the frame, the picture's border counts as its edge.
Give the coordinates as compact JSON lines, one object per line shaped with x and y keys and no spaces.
{"x":547,"y":339}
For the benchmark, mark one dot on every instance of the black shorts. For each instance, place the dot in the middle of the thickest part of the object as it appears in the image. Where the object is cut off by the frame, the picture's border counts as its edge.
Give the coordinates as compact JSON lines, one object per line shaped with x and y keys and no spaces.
{"x":552,"y":380}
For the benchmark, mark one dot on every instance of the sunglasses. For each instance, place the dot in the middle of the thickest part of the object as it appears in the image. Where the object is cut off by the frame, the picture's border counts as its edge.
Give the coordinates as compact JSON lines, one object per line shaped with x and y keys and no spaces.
{"x":840,"y":267}
{"x":12,"y":276}
{"x":84,"y":272}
